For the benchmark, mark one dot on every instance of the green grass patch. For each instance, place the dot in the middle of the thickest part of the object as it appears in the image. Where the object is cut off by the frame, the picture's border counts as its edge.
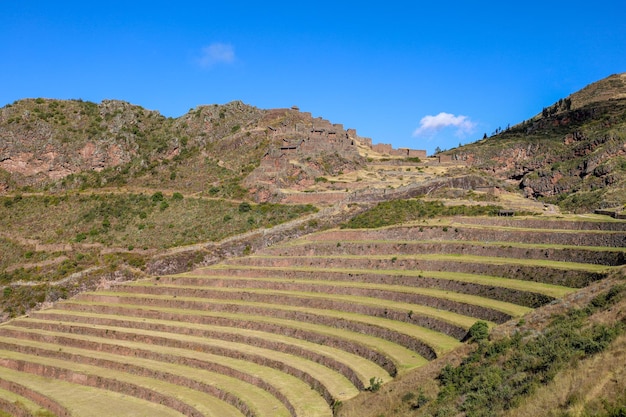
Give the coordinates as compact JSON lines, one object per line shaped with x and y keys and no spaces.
{"x":400,"y":211}
{"x":404,"y":358}
{"x":499,"y":374}
{"x":531,"y":286}
{"x":447,"y":316}
{"x":363,"y":367}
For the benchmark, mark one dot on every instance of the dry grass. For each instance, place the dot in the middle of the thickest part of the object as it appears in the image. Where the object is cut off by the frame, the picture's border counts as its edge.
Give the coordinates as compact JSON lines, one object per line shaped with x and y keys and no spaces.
{"x":447,"y":316}
{"x":366,"y":369}
{"x":205,"y":403}
{"x":403,"y":357}
{"x":82,"y":400}
{"x":508,"y":308}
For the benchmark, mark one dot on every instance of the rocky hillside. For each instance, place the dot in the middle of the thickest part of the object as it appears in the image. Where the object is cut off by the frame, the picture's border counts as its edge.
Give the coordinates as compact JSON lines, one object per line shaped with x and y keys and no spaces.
{"x":573,"y":153}
{"x":69,"y":144}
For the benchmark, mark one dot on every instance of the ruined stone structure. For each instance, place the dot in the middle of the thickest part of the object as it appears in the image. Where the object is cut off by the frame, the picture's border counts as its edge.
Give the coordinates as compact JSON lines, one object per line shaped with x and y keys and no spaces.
{"x":387,"y":149}
{"x":301,"y":149}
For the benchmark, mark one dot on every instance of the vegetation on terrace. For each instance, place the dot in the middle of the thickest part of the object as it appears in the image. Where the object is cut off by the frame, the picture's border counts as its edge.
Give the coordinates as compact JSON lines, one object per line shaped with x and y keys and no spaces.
{"x":72,"y":232}
{"x":502,"y":373}
{"x":300,"y":329}
{"x":394,"y":318}
{"x":392,"y":212}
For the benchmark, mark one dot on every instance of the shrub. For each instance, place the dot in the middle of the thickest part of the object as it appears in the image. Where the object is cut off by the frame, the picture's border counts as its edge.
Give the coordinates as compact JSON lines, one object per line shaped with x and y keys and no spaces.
{"x":177,"y":196}
{"x":244,"y":207}
{"x":499,"y":374}
{"x":479,"y":331}
{"x":375,"y":384}
{"x":408,"y":397}
{"x":398,"y":211}
{"x":158,"y":196}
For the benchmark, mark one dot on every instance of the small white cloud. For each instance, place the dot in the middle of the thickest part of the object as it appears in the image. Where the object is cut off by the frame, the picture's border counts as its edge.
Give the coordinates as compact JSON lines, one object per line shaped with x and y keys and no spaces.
{"x":216,"y":53}
{"x":430,"y":125}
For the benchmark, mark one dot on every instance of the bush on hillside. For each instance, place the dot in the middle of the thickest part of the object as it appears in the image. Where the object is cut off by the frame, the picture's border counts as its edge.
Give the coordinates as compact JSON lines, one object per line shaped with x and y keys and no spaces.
{"x":399,"y":211}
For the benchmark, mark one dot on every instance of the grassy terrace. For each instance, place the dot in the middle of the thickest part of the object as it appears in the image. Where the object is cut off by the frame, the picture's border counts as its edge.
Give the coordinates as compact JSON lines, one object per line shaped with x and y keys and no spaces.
{"x":298,"y":395}
{"x":332,"y":291}
{"x":110,"y":365}
{"x":296,"y":328}
{"x":337,"y":384}
{"x":574,"y":266}
{"x":403,"y":357}
{"x":521,"y":285}
{"x":438,"y":341}
{"x":86,"y":401}
{"x":509,"y":308}
{"x":358,"y":245}
{"x":372,"y":325}
{"x":448,"y":316}
{"x":319,"y":242}
{"x":21,"y":402}
{"x":363,"y":368}
{"x":453,"y":228}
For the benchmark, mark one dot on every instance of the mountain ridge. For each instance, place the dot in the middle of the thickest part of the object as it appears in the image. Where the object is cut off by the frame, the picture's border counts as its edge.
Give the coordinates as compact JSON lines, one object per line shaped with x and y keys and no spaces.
{"x":576,"y":147}
{"x":572,"y":154}
{"x":74,"y":144}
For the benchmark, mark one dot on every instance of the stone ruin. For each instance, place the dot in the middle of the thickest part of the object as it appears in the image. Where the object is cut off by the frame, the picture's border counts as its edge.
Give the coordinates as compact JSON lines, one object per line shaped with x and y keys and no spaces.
{"x":387,"y":149}
{"x":303,"y":148}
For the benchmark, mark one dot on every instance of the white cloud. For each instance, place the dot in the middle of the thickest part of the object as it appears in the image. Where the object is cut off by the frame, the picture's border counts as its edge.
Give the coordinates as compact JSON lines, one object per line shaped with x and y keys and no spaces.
{"x":216,"y":53}
{"x":430,"y":125}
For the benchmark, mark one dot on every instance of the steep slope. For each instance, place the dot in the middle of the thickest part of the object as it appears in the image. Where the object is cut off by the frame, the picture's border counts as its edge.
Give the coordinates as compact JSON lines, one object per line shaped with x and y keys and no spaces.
{"x":70,"y":144}
{"x":573,"y":153}
{"x":299,"y":328}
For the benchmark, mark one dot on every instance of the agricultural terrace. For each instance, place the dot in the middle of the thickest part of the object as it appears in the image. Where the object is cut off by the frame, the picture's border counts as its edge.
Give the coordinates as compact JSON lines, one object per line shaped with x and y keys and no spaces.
{"x":295,"y":329}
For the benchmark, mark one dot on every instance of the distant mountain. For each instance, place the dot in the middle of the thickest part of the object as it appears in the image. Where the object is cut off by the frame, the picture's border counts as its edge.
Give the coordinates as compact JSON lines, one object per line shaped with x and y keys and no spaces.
{"x":73,"y":144}
{"x":573,"y":153}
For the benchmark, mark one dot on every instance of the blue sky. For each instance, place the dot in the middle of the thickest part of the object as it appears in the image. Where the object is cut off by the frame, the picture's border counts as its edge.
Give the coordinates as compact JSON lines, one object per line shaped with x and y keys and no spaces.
{"x":413,"y":74}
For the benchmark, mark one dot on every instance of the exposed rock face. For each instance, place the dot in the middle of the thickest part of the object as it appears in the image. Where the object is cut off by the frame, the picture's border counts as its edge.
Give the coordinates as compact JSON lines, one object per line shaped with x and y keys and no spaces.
{"x":573,"y":152}
{"x":302,"y":149}
{"x":46,"y":140}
